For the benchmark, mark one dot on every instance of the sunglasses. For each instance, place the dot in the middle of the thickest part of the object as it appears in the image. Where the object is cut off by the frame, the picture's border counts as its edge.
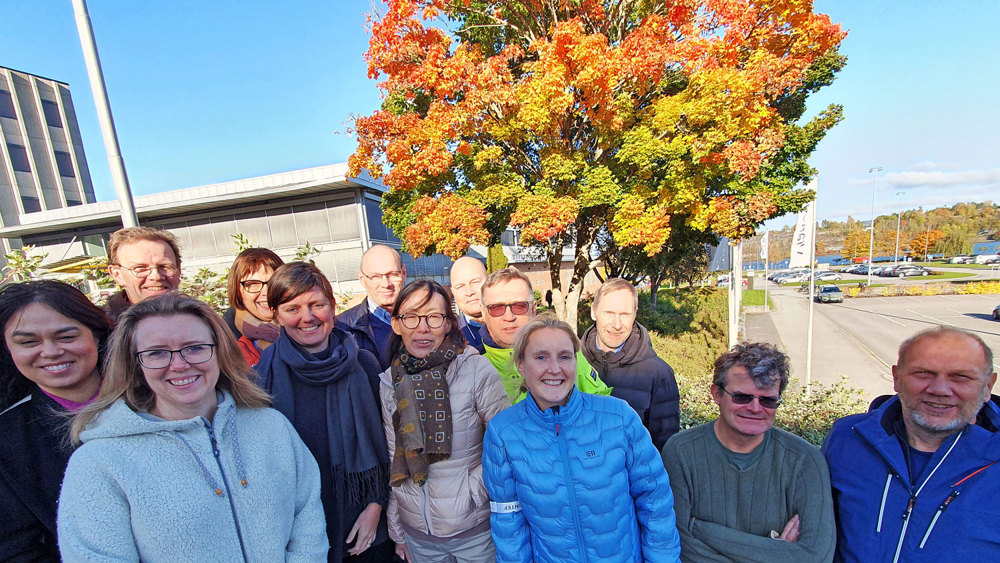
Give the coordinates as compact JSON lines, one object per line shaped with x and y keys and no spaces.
{"x":766,"y":401}
{"x":517,"y":307}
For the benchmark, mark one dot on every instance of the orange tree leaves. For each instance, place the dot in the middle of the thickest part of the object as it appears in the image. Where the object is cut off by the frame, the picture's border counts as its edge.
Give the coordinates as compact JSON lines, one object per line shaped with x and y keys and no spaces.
{"x":560,"y":116}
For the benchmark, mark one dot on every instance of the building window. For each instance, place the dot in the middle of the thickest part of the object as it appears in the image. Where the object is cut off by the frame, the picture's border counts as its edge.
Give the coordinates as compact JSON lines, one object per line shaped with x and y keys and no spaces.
{"x":7,"y":105}
{"x":72,"y":202}
{"x":51,"y":111}
{"x":30,"y":204}
{"x":18,"y":158}
{"x":65,"y":164}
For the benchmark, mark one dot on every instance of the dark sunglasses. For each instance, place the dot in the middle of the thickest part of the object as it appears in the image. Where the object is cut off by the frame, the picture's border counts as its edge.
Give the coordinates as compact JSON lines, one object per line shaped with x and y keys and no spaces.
{"x":766,"y":401}
{"x":517,"y":307}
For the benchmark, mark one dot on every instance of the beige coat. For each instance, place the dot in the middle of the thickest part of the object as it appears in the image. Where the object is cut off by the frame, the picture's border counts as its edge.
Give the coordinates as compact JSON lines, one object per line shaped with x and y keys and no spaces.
{"x":454,"y":498}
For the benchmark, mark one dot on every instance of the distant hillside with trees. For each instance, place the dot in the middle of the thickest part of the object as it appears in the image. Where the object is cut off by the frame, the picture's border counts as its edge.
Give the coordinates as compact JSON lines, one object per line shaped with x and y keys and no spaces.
{"x":943,"y":230}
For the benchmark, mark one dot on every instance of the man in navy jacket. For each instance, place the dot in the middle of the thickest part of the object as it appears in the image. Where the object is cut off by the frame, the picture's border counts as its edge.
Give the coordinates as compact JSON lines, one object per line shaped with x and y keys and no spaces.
{"x":382,"y":275}
{"x":916,"y":478}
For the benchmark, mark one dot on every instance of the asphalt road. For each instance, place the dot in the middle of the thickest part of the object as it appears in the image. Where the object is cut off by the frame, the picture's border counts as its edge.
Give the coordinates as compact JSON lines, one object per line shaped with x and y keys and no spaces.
{"x":859,"y":339}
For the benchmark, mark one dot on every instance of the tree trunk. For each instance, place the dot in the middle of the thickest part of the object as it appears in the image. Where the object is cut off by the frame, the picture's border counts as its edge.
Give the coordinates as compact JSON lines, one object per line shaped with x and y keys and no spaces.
{"x":566,"y":300}
{"x":654,"y":288}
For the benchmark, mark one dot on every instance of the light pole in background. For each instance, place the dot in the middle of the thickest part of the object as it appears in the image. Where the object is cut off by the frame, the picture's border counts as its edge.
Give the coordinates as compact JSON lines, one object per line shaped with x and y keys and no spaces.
{"x":899,"y":218}
{"x":871,"y":240}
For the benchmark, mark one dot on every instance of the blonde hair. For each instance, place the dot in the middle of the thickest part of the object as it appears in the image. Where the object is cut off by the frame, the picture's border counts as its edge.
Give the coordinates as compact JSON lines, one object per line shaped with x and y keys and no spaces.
{"x":123,"y":376}
{"x":544,"y":320}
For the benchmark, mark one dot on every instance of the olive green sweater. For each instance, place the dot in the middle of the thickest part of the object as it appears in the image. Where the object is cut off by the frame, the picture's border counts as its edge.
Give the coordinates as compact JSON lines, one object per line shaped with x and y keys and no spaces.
{"x":725,"y":513}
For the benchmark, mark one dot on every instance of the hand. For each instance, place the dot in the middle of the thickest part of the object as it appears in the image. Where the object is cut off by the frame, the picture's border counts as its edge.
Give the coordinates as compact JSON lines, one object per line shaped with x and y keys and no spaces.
{"x":402,"y":551}
{"x":364,"y":529}
{"x":791,"y":531}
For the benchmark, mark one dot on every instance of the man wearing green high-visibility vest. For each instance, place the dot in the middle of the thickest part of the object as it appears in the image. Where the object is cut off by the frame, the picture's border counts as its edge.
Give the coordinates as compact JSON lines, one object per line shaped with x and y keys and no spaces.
{"x":508,"y":303}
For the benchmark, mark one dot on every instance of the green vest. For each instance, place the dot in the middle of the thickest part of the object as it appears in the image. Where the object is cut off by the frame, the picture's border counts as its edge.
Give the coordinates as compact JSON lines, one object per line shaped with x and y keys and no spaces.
{"x":502,"y":359}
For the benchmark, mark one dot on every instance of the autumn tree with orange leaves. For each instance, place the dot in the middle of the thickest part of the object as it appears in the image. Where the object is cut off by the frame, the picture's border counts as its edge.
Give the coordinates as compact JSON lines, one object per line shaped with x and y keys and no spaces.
{"x":558,"y":117}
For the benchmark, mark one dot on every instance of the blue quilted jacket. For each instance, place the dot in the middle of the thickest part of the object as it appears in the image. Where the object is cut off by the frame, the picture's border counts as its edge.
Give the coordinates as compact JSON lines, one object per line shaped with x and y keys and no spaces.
{"x":579,"y":483}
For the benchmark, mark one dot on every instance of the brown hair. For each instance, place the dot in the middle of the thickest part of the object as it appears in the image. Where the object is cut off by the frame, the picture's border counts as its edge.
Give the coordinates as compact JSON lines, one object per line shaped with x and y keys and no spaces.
{"x":130,"y":235}
{"x":123,"y":375}
{"x":766,"y":365}
{"x":614,"y":284}
{"x":503,"y":275}
{"x":293,"y":279}
{"x":544,"y":320}
{"x":246,"y":263}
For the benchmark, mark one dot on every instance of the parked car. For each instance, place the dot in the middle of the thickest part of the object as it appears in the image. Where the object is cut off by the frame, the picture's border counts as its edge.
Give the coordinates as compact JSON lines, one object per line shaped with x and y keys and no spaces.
{"x":793,"y":277}
{"x":829,"y":294}
{"x":960,"y":259}
{"x":996,"y":313}
{"x":828,"y":275}
{"x":906,"y":270}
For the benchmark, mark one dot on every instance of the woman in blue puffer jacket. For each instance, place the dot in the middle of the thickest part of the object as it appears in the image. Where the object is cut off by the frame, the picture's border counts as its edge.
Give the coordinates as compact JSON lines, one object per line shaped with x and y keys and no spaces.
{"x":572,"y":476}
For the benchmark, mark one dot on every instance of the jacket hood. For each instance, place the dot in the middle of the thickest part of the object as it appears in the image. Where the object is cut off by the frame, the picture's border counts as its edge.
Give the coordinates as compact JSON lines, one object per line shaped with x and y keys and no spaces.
{"x":120,"y":420}
{"x":637,"y":346}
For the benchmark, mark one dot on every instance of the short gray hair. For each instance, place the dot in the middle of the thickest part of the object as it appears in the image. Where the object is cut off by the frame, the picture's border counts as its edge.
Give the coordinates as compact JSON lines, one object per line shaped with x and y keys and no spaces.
{"x":937,"y":331}
{"x":765,"y":363}
{"x":614,"y":284}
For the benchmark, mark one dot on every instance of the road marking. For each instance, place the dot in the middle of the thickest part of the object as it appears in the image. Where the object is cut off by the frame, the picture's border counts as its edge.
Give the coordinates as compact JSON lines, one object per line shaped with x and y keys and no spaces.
{"x":890,"y":320}
{"x":959,"y":312}
{"x":931,"y":318}
{"x":949,"y":298}
{"x":880,"y":299}
{"x":864,"y":347}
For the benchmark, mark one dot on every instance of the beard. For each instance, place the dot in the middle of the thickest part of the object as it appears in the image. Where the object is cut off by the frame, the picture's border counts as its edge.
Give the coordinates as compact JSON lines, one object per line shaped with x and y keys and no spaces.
{"x":966,"y":415}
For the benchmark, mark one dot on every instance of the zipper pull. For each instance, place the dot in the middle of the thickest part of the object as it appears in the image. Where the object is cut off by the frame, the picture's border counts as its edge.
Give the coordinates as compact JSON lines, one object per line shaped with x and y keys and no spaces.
{"x":909,"y":508}
{"x":557,"y":429}
{"x":211,"y":437}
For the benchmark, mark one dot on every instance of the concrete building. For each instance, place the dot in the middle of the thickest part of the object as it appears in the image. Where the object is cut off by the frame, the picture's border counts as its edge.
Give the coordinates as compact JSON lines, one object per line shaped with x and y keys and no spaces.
{"x":42,"y":163}
{"x":320,"y":205}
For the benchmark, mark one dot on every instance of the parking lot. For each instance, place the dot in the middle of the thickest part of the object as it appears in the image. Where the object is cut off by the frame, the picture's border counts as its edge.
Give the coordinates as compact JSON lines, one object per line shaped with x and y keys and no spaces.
{"x":859,"y":338}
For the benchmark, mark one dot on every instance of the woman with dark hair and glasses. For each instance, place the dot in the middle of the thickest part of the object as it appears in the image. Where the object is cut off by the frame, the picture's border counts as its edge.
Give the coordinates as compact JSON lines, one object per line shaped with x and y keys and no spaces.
{"x":53,"y":341}
{"x":436,"y":400}
{"x":181,"y":460}
{"x":326,"y":386}
{"x":249,"y":317}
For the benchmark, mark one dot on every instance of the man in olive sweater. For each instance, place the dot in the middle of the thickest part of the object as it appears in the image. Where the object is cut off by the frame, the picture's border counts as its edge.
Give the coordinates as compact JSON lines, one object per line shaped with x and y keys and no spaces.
{"x":744,"y":490}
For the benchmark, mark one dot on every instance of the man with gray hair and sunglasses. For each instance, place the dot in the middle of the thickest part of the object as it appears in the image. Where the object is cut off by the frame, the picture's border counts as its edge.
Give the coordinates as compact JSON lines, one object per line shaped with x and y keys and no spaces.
{"x":743,"y":489}
{"x":508,"y":303}
{"x":916,"y":478}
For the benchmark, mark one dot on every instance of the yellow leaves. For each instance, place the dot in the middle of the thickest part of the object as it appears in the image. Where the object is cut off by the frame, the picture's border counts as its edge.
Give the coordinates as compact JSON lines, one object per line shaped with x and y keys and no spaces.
{"x":636,"y":224}
{"x":451,"y":224}
{"x":542,"y":217}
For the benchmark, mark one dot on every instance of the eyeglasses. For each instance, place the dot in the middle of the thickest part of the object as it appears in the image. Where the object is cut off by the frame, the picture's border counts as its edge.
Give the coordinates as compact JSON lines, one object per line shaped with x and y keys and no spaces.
{"x":393,"y":276}
{"x":142,"y":272}
{"x":499,"y":309}
{"x":253,"y":286}
{"x":766,"y":401}
{"x":159,"y":359}
{"x":412,"y":320}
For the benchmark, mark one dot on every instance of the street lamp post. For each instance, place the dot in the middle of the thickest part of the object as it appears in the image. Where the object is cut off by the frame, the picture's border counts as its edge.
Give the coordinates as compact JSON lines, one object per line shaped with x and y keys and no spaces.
{"x":871,"y":240}
{"x":899,"y":218}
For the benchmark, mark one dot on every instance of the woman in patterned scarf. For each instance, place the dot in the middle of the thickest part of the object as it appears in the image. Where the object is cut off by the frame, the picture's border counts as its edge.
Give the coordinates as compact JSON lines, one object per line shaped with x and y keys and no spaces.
{"x":436,"y":400}
{"x":250,"y":318}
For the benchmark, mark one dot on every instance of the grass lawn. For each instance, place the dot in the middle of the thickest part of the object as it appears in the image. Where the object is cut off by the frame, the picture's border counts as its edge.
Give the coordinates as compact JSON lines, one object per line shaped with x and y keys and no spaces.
{"x":942,"y":276}
{"x":755,"y":298}
{"x":936,"y":265}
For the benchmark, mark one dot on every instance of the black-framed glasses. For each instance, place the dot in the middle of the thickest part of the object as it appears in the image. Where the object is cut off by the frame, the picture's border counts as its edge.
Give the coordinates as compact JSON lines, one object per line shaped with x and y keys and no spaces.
{"x":412,"y":320}
{"x":766,"y":401}
{"x":517,"y":307}
{"x":142,"y":272}
{"x":393,"y":276}
{"x":159,"y":359}
{"x":253,"y":286}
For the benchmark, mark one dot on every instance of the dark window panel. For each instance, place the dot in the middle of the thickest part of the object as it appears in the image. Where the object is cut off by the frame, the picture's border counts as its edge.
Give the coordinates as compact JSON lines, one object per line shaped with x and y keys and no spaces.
{"x":51,"y":111}
{"x":18,"y":158}
{"x":30,"y":204}
{"x":65,"y":164}
{"x":7,"y":105}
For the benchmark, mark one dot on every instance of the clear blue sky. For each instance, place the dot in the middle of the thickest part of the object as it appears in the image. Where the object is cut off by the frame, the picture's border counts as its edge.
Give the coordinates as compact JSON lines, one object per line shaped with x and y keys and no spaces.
{"x":205,"y":92}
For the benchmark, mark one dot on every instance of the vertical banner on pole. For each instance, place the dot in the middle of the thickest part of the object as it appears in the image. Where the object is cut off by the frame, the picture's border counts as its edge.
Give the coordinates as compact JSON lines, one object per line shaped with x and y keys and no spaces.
{"x":764,"y":242}
{"x":802,"y":240}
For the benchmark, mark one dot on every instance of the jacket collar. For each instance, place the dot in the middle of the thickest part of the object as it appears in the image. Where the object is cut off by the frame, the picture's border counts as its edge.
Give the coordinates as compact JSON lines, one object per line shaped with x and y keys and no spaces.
{"x":563,"y":415}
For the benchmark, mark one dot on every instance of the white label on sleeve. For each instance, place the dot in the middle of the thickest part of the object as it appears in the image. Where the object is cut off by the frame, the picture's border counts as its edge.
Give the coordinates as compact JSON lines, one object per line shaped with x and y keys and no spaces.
{"x":505,"y":507}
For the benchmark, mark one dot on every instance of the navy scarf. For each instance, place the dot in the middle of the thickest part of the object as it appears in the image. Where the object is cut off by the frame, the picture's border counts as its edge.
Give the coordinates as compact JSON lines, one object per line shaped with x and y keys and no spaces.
{"x":358,"y":452}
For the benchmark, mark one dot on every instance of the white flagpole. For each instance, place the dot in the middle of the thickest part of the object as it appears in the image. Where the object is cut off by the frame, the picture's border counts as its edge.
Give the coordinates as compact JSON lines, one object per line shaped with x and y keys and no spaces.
{"x":812,"y":294}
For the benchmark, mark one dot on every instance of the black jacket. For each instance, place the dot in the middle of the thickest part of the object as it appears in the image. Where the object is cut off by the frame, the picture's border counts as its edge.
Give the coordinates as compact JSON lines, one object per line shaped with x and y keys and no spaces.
{"x":355,"y":321}
{"x":33,"y":458}
{"x":637,"y":375}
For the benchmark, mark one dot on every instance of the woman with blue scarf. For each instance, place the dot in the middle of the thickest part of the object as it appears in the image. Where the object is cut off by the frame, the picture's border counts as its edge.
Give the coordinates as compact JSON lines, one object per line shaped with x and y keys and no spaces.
{"x":327,"y":387}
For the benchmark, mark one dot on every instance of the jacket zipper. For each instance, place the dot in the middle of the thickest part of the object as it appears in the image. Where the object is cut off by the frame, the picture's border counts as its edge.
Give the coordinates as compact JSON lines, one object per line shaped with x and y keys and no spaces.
{"x":572,"y":493}
{"x":225,"y":483}
{"x":948,"y":500}
{"x":913,"y":500}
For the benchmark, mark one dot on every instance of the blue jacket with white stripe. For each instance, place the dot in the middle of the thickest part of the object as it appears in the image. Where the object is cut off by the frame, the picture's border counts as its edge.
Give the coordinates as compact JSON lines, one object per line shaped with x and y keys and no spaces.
{"x":883,"y":515}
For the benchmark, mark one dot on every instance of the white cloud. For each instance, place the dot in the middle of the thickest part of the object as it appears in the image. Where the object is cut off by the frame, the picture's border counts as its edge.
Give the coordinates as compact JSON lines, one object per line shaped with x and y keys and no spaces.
{"x":925,"y":166}
{"x":938,"y":179}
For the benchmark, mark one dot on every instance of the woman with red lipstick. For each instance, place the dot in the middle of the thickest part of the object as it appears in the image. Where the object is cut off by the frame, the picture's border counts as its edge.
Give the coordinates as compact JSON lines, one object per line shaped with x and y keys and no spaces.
{"x":326,"y":385}
{"x":53,"y":339}
{"x":250,"y":318}
{"x":180,"y":458}
{"x":436,"y":400}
